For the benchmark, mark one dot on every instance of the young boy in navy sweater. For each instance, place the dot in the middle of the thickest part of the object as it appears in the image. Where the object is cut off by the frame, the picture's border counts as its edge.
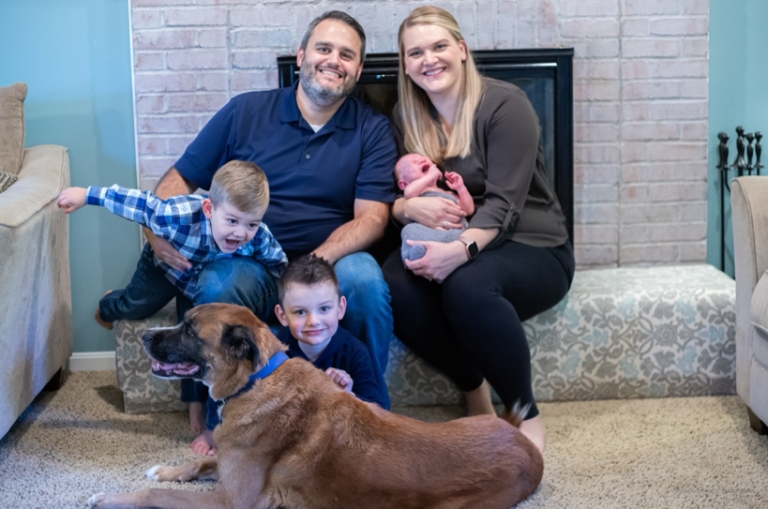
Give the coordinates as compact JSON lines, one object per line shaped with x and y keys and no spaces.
{"x":309,"y":307}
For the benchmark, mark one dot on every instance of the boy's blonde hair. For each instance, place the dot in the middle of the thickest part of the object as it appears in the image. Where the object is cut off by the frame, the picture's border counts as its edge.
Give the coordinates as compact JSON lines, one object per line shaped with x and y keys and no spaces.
{"x":242,"y":184}
{"x":422,"y":133}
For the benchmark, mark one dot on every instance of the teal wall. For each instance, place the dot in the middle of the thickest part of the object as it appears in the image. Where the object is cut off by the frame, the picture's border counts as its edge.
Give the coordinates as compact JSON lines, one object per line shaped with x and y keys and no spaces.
{"x":738,"y":95}
{"x":75,"y":57}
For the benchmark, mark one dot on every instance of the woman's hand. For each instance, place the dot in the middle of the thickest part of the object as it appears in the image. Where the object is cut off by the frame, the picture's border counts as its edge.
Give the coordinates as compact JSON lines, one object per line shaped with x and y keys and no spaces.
{"x":165,"y":252}
{"x":440,"y":260}
{"x":434,"y":212}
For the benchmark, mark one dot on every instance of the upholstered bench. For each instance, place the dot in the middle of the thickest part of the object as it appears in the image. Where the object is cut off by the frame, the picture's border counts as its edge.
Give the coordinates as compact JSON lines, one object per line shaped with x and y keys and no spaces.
{"x":620,"y":333}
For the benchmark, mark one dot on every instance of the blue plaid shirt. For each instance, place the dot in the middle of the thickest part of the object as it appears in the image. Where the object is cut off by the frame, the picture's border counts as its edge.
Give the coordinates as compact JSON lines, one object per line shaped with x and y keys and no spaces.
{"x":180,"y":221}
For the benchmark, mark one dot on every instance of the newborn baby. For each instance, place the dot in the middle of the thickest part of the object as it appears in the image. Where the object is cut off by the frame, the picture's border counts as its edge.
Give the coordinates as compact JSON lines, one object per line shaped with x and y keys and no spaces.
{"x":417,"y":176}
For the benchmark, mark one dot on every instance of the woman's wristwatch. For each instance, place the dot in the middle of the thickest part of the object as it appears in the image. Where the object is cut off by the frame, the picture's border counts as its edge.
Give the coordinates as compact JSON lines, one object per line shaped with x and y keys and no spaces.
{"x":471,"y":247}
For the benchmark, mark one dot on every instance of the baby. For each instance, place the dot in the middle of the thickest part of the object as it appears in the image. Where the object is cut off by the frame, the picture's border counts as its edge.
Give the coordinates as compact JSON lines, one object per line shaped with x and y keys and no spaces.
{"x":417,"y":176}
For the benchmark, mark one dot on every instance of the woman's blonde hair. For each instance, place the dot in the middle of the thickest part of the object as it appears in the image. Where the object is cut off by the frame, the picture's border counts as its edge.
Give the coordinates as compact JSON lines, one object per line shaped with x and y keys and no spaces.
{"x":422,"y":132}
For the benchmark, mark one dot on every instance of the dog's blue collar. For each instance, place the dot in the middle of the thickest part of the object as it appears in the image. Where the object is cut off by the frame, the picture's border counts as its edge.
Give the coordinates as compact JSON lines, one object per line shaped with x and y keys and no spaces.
{"x":274,"y":362}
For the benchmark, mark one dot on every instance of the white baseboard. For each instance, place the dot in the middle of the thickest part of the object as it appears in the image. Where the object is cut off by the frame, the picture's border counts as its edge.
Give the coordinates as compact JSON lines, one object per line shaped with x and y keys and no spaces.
{"x":92,"y":361}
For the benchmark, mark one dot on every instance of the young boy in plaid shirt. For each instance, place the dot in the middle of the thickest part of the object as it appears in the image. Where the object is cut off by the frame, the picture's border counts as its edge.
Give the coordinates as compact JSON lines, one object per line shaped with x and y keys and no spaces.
{"x":226,"y":223}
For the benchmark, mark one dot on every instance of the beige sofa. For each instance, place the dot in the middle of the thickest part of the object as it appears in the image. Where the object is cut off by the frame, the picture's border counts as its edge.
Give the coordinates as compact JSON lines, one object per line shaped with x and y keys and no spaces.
{"x":35,"y":302}
{"x":749,"y":205}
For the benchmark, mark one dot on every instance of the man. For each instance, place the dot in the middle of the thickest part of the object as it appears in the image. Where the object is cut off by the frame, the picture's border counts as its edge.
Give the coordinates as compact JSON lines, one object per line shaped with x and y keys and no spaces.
{"x":328,"y":159}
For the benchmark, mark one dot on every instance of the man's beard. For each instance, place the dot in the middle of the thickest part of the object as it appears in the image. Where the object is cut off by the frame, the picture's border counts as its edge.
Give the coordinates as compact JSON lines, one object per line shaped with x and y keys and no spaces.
{"x":316,"y":92}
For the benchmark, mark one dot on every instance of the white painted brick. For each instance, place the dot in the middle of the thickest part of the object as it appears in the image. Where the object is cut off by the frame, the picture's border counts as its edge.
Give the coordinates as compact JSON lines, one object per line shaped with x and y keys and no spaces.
{"x":664,"y":172}
{"x":634,"y":152}
{"x":197,"y":59}
{"x":155,"y":166}
{"x":694,"y":88}
{"x":647,"y":132}
{"x":212,"y":38}
{"x":593,"y":48}
{"x":681,"y":191}
{"x":160,"y":3}
{"x":592,"y":132}
{"x":585,"y":111}
{"x":597,"y":153}
{"x":658,"y":89}
{"x":505,"y":22}
{"x":680,"y":26}
{"x":146,"y":18}
{"x":267,"y":38}
{"x":595,"y":234}
{"x":635,"y":27}
{"x":164,"y":82}
{"x":647,"y":254}
{"x":254,"y":59}
{"x":693,"y":211}
{"x":150,"y":104}
{"x":595,"y":213}
{"x":643,"y":7}
{"x":254,"y":80}
{"x":608,"y":69}
{"x":694,"y":47}
{"x":635,"y":69}
{"x":634,"y":193}
{"x":167,"y":124}
{"x":662,"y":232}
{"x":653,"y":48}
{"x":649,"y":213}
{"x":198,"y":16}
{"x":163,"y":39}
{"x":583,"y":193}
{"x":486,"y":20}
{"x":695,"y":7}
{"x":596,"y":90}
{"x":152,"y":145}
{"x":695,"y":131}
{"x":212,"y":81}
{"x":678,"y":110}
{"x":588,"y":8}
{"x":198,"y":102}
{"x":600,"y":255}
{"x":682,"y":151}
{"x":596,"y":173}
{"x":595,"y":28}
{"x":146,"y":61}
{"x":693,"y":251}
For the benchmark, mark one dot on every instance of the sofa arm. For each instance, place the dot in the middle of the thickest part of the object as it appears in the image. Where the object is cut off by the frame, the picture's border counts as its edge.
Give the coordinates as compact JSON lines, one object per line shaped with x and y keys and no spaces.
{"x":44,"y":173}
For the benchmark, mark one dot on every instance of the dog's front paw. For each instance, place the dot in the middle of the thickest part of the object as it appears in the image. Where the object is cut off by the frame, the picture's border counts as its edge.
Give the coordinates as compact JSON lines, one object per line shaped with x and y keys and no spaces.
{"x":96,"y":501}
{"x":162,"y":473}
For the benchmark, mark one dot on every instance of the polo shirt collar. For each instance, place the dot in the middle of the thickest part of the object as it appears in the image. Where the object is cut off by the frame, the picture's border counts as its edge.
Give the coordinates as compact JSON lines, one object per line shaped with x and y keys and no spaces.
{"x":344,"y":118}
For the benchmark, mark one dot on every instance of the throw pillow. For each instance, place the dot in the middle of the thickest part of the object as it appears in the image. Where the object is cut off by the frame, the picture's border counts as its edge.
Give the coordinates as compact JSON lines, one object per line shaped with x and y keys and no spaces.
{"x":12,"y":127}
{"x":6,"y":179}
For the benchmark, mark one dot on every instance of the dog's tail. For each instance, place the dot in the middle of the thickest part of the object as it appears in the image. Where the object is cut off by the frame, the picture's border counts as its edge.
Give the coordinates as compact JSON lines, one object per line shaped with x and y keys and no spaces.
{"x":516,"y":415}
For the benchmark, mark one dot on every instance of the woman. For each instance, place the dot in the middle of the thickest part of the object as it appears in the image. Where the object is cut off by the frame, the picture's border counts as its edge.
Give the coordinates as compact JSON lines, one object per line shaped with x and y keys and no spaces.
{"x":460,"y":307}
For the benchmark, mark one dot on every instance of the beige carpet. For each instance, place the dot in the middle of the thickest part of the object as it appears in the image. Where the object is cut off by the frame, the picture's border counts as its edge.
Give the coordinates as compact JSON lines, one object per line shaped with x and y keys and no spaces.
{"x":669,"y":453}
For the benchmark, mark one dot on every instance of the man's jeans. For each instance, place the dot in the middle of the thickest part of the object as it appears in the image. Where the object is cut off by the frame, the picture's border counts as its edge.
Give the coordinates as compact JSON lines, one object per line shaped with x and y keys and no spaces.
{"x":246,"y":282}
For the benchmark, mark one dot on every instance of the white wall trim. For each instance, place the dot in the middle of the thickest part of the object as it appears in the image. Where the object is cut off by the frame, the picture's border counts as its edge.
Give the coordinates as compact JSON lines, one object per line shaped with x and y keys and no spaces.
{"x":92,"y":361}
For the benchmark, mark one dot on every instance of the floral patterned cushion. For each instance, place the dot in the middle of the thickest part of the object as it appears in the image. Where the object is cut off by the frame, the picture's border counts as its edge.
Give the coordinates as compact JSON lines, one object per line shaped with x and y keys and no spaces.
{"x":620,"y":333}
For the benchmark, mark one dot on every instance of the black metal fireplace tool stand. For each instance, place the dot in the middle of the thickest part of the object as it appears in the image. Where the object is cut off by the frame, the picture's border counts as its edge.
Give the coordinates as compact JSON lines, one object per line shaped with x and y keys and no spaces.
{"x":743,"y":167}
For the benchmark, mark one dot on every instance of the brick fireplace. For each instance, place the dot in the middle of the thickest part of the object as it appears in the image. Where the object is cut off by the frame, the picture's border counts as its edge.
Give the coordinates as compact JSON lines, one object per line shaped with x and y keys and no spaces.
{"x":640,"y":96}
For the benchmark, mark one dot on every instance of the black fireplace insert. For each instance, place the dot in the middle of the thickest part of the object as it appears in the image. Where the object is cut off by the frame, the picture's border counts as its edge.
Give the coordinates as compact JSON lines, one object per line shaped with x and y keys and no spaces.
{"x":546,"y":76}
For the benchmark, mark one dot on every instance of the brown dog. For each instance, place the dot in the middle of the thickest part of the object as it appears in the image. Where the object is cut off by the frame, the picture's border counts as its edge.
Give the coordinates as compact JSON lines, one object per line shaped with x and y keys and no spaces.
{"x":294,"y":439}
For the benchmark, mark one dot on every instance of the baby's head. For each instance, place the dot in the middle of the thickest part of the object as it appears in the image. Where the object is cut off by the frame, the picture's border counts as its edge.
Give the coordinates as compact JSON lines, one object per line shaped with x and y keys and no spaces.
{"x":412,"y":167}
{"x":310,"y":303}
{"x":236,"y":203}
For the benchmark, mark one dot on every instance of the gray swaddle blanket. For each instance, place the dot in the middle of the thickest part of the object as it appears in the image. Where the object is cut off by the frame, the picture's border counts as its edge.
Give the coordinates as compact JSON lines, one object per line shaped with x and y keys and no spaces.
{"x":416,"y":231}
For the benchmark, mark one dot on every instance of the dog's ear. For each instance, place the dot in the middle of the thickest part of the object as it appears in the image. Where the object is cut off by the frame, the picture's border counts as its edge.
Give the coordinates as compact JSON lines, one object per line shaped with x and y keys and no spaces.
{"x":240,"y":343}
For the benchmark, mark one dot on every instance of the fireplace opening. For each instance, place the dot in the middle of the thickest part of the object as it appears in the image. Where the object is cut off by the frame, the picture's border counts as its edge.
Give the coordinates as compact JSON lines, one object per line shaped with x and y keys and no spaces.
{"x":545,"y":75}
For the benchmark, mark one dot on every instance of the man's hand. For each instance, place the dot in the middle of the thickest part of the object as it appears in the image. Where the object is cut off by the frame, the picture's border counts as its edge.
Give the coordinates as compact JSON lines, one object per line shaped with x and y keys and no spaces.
{"x":341,"y":378}
{"x":71,"y":199}
{"x":166,"y":252}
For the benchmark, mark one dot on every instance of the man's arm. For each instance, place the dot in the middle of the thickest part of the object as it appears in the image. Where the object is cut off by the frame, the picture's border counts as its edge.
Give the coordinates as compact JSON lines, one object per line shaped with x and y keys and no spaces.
{"x":171,"y":184}
{"x":356,"y":235}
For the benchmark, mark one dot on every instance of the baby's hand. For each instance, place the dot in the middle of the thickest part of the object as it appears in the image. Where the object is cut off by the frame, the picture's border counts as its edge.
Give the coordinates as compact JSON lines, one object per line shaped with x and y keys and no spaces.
{"x":341,"y":378}
{"x":71,"y":199}
{"x":454,"y":180}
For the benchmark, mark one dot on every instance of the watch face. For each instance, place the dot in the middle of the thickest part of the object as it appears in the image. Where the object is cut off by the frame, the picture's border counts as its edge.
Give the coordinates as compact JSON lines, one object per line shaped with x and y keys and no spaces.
{"x":472,"y":249}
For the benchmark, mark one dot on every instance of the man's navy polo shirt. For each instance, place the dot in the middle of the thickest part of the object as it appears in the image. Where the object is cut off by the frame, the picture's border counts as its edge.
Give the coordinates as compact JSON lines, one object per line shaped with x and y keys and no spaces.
{"x":314,"y":178}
